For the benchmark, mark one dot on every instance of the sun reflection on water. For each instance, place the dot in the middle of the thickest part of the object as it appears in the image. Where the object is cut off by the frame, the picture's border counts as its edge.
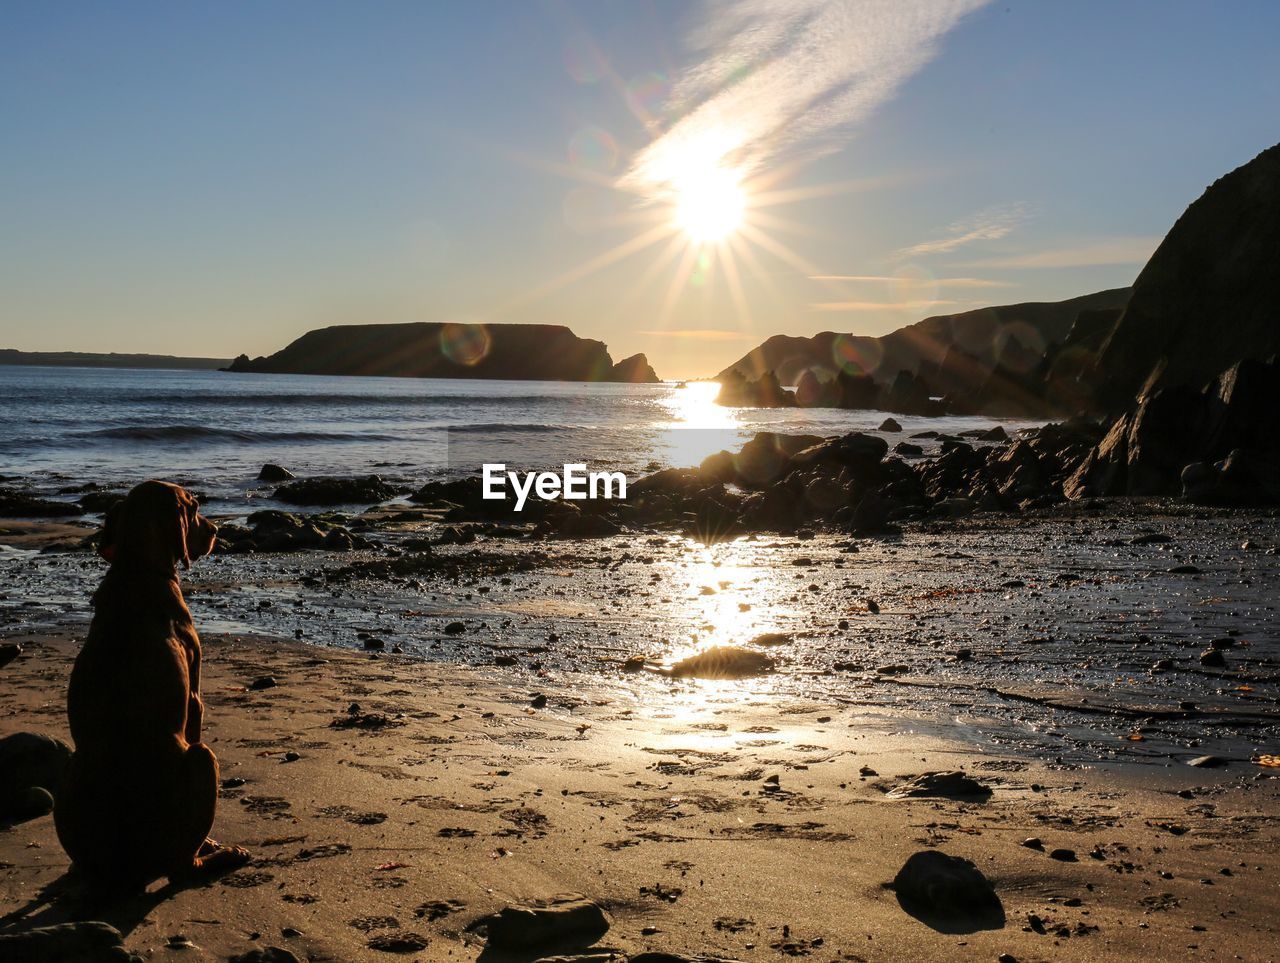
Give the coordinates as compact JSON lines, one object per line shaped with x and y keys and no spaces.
{"x":696,"y":425}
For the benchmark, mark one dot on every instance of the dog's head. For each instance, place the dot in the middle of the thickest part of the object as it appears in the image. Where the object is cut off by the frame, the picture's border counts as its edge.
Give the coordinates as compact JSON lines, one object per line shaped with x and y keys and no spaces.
{"x":157,"y":524}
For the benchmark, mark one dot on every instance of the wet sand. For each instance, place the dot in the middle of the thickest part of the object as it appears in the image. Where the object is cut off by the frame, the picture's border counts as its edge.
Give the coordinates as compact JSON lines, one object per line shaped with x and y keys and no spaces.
{"x":657,"y":798}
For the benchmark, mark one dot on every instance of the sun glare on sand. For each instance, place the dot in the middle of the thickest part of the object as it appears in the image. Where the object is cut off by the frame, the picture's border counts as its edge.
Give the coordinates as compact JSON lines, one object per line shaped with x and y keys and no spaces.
{"x":709,"y":204}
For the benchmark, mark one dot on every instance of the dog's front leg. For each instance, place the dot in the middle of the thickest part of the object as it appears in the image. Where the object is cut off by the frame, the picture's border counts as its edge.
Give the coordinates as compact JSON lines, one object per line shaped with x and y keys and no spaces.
{"x":195,"y":719}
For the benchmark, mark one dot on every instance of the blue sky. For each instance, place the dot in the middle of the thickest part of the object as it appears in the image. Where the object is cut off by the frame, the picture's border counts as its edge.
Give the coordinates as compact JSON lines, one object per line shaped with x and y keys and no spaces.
{"x":217,"y":178}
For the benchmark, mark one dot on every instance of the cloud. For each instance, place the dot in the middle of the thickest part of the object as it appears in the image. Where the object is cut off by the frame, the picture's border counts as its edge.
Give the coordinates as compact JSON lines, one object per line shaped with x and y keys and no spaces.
{"x":780,"y":77}
{"x":905,"y":280}
{"x":882,"y":305}
{"x":987,"y":225}
{"x":700,"y":334}
{"x":1114,"y":250}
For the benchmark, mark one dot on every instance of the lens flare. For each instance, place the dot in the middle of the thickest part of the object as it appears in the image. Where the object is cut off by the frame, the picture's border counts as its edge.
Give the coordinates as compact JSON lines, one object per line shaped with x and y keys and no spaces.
{"x":464,"y":344}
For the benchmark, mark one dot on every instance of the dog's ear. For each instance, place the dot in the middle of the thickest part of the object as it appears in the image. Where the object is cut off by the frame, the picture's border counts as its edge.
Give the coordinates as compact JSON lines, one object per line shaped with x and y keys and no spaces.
{"x":184,"y":509}
{"x":110,"y":531}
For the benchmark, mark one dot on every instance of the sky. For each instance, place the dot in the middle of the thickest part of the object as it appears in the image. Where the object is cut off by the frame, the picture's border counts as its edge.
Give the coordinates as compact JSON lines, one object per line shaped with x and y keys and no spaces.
{"x":683,"y":179}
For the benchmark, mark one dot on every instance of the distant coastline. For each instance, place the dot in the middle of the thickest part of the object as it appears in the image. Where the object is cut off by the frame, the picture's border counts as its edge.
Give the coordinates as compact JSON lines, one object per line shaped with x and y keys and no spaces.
{"x":90,"y":359}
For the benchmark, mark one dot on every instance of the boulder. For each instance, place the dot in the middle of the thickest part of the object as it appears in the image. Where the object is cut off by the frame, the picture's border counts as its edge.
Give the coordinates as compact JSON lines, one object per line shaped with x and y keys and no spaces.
{"x":275,"y":473}
{"x":890,"y":425}
{"x":860,"y":453}
{"x":768,"y":456}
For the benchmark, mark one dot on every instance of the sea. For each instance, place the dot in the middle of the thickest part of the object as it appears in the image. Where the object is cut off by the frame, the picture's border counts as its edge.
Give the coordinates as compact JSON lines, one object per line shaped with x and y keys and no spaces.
{"x":62,"y":426}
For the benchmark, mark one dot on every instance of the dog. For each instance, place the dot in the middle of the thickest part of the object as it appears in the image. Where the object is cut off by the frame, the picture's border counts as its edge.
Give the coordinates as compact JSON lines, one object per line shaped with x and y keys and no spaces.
{"x":140,"y":795}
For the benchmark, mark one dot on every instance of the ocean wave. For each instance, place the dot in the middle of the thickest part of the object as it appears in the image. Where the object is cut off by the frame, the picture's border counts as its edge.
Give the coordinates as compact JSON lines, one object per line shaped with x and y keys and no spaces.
{"x":197,"y":433}
{"x":269,"y":400}
{"x":497,"y":428}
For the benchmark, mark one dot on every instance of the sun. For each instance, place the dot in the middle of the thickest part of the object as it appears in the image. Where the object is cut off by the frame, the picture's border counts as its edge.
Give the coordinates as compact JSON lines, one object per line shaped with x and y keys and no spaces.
{"x":709,"y":204}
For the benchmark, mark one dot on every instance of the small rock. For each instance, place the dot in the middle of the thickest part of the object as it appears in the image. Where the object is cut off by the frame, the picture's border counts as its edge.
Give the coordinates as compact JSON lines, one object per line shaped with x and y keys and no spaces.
{"x":268,"y":954}
{"x":1207,"y":762}
{"x":8,"y":652}
{"x":263,"y":682}
{"x":455,"y":628}
{"x":275,"y":473}
{"x":570,"y":919}
{"x":890,"y":425}
{"x":1033,"y":842}
{"x":1213,"y":658}
{"x":951,"y":785}
{"x":944,"y":884}
{"x":1063,"y":855}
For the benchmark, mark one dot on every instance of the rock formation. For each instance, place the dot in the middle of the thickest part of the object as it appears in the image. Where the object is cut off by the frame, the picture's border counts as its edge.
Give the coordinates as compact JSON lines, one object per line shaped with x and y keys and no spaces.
{"x":519,"y":352}
{"x":634,"y":370}
{"x":1207,"y":298}
{"x":967,"y":356}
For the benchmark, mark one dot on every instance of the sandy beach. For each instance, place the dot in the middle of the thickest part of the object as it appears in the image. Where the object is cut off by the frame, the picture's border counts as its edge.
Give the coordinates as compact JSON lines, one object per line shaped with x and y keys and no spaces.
{"x":391,"y":803}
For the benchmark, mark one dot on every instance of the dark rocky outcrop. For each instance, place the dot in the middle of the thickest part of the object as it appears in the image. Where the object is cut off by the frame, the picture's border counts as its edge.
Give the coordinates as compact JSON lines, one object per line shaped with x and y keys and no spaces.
{"x":1208,"y":297}
{"x":19,"y":504}
{"x":275,"y":531}
{"x":520,"y":352}
{"x":336,"y":491}
{"x":764,"y":392}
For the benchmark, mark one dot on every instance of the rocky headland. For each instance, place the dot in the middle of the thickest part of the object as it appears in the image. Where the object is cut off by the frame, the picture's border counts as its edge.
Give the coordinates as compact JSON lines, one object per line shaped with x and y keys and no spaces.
{"x":516,"y":352}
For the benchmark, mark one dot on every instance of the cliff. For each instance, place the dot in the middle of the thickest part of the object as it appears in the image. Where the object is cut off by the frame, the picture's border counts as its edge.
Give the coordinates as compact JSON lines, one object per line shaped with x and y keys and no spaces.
{"x":1208,"y":296}
{"x":517,"y":352}
{"x":979,"y":337}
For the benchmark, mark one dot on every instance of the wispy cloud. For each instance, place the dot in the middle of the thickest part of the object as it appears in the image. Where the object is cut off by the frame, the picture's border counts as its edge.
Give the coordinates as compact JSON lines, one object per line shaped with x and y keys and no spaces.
{"x":987,"y":225}
{"x":700,"y":334}
{"x":905,"y":280}
{"x":1114,"y":250}
{"x":780,"y":77}
{"x":883,"y":305}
